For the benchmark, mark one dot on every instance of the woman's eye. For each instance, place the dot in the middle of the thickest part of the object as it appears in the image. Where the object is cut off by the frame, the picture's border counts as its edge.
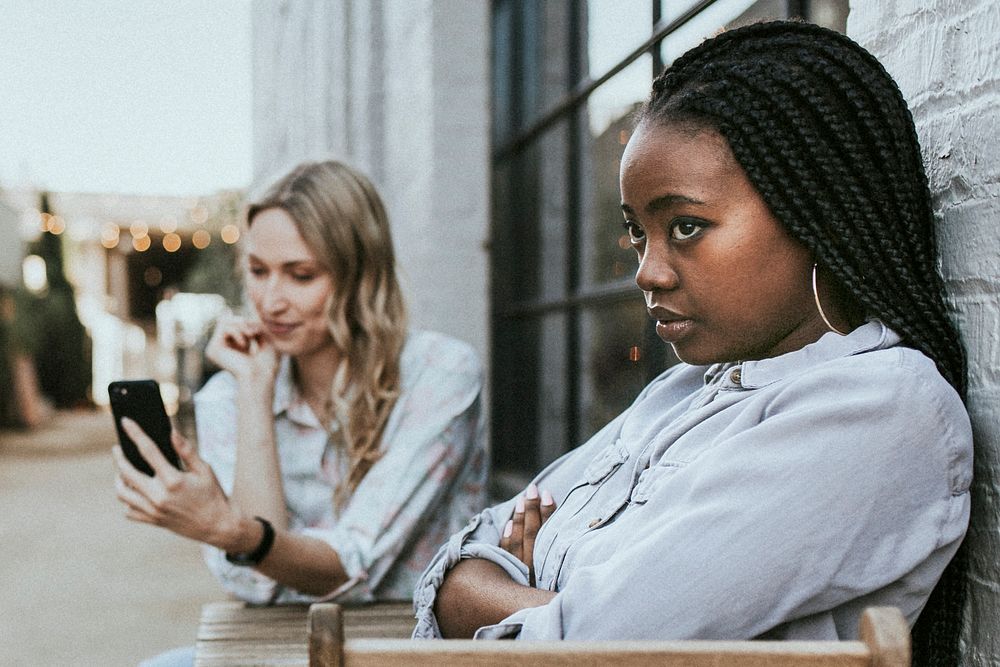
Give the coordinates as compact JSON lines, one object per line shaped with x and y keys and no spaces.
{"x":635,"y":232}
{"x":683,"y":229}
{"x":303,"y":277}
{"x":257,"y":271}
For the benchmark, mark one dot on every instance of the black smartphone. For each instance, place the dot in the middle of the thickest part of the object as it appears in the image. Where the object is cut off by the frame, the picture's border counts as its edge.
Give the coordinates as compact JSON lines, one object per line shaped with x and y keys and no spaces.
{"x":140,"y":401}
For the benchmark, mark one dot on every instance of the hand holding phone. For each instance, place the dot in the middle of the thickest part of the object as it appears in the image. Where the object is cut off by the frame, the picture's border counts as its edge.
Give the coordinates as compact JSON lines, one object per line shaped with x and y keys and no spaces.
{"x":140,"y":401}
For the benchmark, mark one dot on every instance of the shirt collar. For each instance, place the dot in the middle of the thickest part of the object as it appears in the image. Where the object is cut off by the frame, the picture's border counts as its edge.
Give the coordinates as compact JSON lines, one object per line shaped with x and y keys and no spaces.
{"x":287,"y":399}
{"x":873,"y":335}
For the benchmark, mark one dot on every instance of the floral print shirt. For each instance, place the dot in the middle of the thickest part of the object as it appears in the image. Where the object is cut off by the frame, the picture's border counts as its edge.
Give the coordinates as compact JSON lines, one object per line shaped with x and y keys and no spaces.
{"x":429,"y":481}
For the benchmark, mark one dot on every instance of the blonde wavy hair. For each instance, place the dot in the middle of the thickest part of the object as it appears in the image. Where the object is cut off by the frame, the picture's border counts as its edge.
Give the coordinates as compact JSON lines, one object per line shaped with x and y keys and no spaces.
{"x":342,"y":219}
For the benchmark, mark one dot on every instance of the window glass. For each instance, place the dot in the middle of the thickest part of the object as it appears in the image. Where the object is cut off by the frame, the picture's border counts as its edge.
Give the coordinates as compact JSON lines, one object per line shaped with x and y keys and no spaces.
{"x":545,"y":66}
{"x":614,"y":28}
{"x":530,"y":193}
{"x":505,"y":106}
{"x":620,"y":354}
{"x":606,"y":124}
{"x":530,"y":410}
{"x":707,"y":23}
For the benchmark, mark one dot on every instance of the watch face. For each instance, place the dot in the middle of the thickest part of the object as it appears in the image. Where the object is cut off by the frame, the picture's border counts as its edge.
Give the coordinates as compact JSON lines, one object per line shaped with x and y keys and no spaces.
{"x":239,"y":559}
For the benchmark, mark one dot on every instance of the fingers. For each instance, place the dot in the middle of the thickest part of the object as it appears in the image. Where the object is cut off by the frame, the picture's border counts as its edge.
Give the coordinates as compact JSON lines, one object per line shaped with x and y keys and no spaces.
{"x":548,"y":505}
{"x":236,"y":333}
{"x":532,"y":522}
{"x":154,"y":457}
{"x":138,"y":504}
{"x":185,"y":450}
{"x":508,"y":530}
{"x":131,"y":476}
{"x":515,"y":540}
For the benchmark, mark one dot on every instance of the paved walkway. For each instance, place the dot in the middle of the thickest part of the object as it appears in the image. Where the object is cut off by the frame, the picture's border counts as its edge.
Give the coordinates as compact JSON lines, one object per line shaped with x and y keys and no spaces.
{"x":79,"y":584}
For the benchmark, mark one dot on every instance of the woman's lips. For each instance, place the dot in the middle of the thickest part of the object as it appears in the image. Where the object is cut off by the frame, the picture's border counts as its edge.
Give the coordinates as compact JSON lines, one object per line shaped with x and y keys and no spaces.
{"x":672,"y":331}
{"x":671,"y":326}
{"x":280,"y":328}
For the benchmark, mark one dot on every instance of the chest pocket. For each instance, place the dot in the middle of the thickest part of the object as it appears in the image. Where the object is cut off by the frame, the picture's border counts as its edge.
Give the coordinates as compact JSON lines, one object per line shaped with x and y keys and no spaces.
{"x":604,"y":465}
{"x":650,"y":479}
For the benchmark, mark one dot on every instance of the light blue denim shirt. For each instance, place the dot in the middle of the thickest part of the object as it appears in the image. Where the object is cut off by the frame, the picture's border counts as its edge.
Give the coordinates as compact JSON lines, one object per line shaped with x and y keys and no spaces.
{"x":773,"y":498}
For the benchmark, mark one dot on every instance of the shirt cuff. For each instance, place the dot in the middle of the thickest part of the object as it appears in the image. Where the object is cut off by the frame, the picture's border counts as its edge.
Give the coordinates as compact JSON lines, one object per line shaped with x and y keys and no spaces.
{"x":504,"y":630}
{"x":449,"y":555}
{"x":351,"y":590}
{"x":242,"y":581}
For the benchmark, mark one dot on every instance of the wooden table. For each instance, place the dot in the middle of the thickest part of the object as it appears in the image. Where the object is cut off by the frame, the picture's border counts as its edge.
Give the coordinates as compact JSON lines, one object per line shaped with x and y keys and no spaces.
{"x":233,"y":633}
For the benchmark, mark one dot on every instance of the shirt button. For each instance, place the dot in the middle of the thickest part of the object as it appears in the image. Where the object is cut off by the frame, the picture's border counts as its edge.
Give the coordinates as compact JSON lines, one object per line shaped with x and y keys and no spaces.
{"x":735,"y":376}
{"x":594,"y":522}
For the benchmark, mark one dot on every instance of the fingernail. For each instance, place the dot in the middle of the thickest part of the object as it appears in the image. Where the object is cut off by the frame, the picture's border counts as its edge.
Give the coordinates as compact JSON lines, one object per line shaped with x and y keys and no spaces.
{"x":547,"y":498}
{"x":508,"y":529}
{"x":532,"y":491}
{"x":519,"y":507}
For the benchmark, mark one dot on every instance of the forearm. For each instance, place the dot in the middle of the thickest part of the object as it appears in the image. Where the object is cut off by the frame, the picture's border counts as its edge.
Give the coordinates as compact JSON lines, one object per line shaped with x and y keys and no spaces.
{"x":477,"y":592}
{"x":257,"y":485}
{"x":305,"y":564}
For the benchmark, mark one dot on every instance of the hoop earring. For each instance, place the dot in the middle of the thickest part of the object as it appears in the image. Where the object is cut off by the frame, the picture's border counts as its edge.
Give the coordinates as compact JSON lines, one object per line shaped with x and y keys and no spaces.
{"x":819,"y":307}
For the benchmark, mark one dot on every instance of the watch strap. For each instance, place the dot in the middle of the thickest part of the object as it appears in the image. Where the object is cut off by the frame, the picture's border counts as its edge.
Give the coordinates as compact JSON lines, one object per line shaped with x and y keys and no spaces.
{"x":258,"y":554}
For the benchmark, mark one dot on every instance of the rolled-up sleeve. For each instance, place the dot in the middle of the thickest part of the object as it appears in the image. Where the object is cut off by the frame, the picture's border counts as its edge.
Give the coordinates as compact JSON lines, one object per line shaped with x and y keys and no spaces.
{"x":480,"y":538}
{"x":429,"y":481}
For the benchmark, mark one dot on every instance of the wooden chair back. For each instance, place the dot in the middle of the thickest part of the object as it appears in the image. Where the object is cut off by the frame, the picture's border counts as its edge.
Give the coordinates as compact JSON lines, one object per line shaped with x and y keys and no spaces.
{"x":884,"y":642}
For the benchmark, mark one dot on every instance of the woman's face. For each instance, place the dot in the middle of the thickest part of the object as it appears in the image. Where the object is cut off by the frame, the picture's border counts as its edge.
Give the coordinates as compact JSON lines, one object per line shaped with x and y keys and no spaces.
{"x":288,"y":287}
{"x":721,"y":277}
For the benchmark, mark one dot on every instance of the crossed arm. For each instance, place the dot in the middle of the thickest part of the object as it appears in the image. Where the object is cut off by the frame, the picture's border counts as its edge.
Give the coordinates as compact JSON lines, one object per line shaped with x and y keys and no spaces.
{"x":477,"y":592}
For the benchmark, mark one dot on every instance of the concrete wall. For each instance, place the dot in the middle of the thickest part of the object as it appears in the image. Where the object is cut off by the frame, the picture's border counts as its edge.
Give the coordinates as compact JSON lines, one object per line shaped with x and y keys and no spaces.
{"x":945,"y":54}
{"x":399,"y":88}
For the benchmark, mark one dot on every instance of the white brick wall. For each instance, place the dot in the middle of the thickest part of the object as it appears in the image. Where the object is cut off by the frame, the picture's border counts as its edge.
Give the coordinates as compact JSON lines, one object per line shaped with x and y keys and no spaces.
{"x":399,"y":88}
{"x":945,"y":55}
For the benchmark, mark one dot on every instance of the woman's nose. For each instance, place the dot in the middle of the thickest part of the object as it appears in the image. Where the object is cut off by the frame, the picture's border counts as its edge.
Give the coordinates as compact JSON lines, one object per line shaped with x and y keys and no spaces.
{"x":656,"y":272}
{"x":275,"y":299}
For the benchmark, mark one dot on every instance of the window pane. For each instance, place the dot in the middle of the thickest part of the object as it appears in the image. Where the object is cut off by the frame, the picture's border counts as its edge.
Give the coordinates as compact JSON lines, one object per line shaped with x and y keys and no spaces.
{"x":614,"y":28}
{"x":620,"y":355}
{"x":606,"y":124}
{"x":530,"y":209}
{"x":505,"y":106}
{"x":529,"y":392}
{"x":709,"y":20}
{"x":545,"y":68}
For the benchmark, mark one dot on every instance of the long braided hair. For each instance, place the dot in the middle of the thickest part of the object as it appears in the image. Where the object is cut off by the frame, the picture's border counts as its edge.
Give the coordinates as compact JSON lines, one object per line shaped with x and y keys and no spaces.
{"x":825,"y":136}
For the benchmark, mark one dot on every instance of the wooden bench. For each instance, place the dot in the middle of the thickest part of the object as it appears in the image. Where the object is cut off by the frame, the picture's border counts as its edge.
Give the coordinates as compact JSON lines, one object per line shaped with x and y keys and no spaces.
{"x":234,"y":634}
{"x":884,"y":642}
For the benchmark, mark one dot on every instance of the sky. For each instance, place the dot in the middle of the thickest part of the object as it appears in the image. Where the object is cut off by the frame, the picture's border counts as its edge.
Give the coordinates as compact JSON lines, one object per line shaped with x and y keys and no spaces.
{"x":130,"y":96}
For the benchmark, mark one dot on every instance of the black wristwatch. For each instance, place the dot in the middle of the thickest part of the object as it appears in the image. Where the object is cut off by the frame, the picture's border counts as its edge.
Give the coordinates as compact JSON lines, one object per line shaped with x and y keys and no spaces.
{"x":258,"y":554}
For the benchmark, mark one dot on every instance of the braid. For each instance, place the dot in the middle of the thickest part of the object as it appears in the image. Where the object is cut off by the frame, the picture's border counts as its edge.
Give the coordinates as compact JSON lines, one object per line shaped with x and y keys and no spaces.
{"x":824,"y":135}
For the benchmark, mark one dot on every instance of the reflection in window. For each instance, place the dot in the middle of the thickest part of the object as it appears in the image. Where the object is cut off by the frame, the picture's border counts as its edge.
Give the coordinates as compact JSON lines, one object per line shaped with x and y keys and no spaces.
{"x":609,"y":117}
{"x":619,"y":346}
{"x":615,"y":28}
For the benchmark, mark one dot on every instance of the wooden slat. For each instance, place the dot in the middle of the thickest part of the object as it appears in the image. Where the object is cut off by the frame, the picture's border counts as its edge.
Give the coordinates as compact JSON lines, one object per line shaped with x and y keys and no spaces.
{"x":885,"y":631}
{"x":233,"y":633}
{"x":466,"y":653}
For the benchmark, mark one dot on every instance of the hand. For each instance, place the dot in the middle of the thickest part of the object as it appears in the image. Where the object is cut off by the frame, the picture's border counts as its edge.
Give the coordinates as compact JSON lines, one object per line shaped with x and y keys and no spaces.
{"x":530,"y":513}
{"x":190,"y":502}
{"x":243,"y":348}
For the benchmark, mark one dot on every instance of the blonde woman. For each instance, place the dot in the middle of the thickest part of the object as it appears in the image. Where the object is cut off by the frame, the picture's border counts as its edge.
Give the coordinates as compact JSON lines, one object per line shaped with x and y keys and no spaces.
{"x":337,"y":447}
